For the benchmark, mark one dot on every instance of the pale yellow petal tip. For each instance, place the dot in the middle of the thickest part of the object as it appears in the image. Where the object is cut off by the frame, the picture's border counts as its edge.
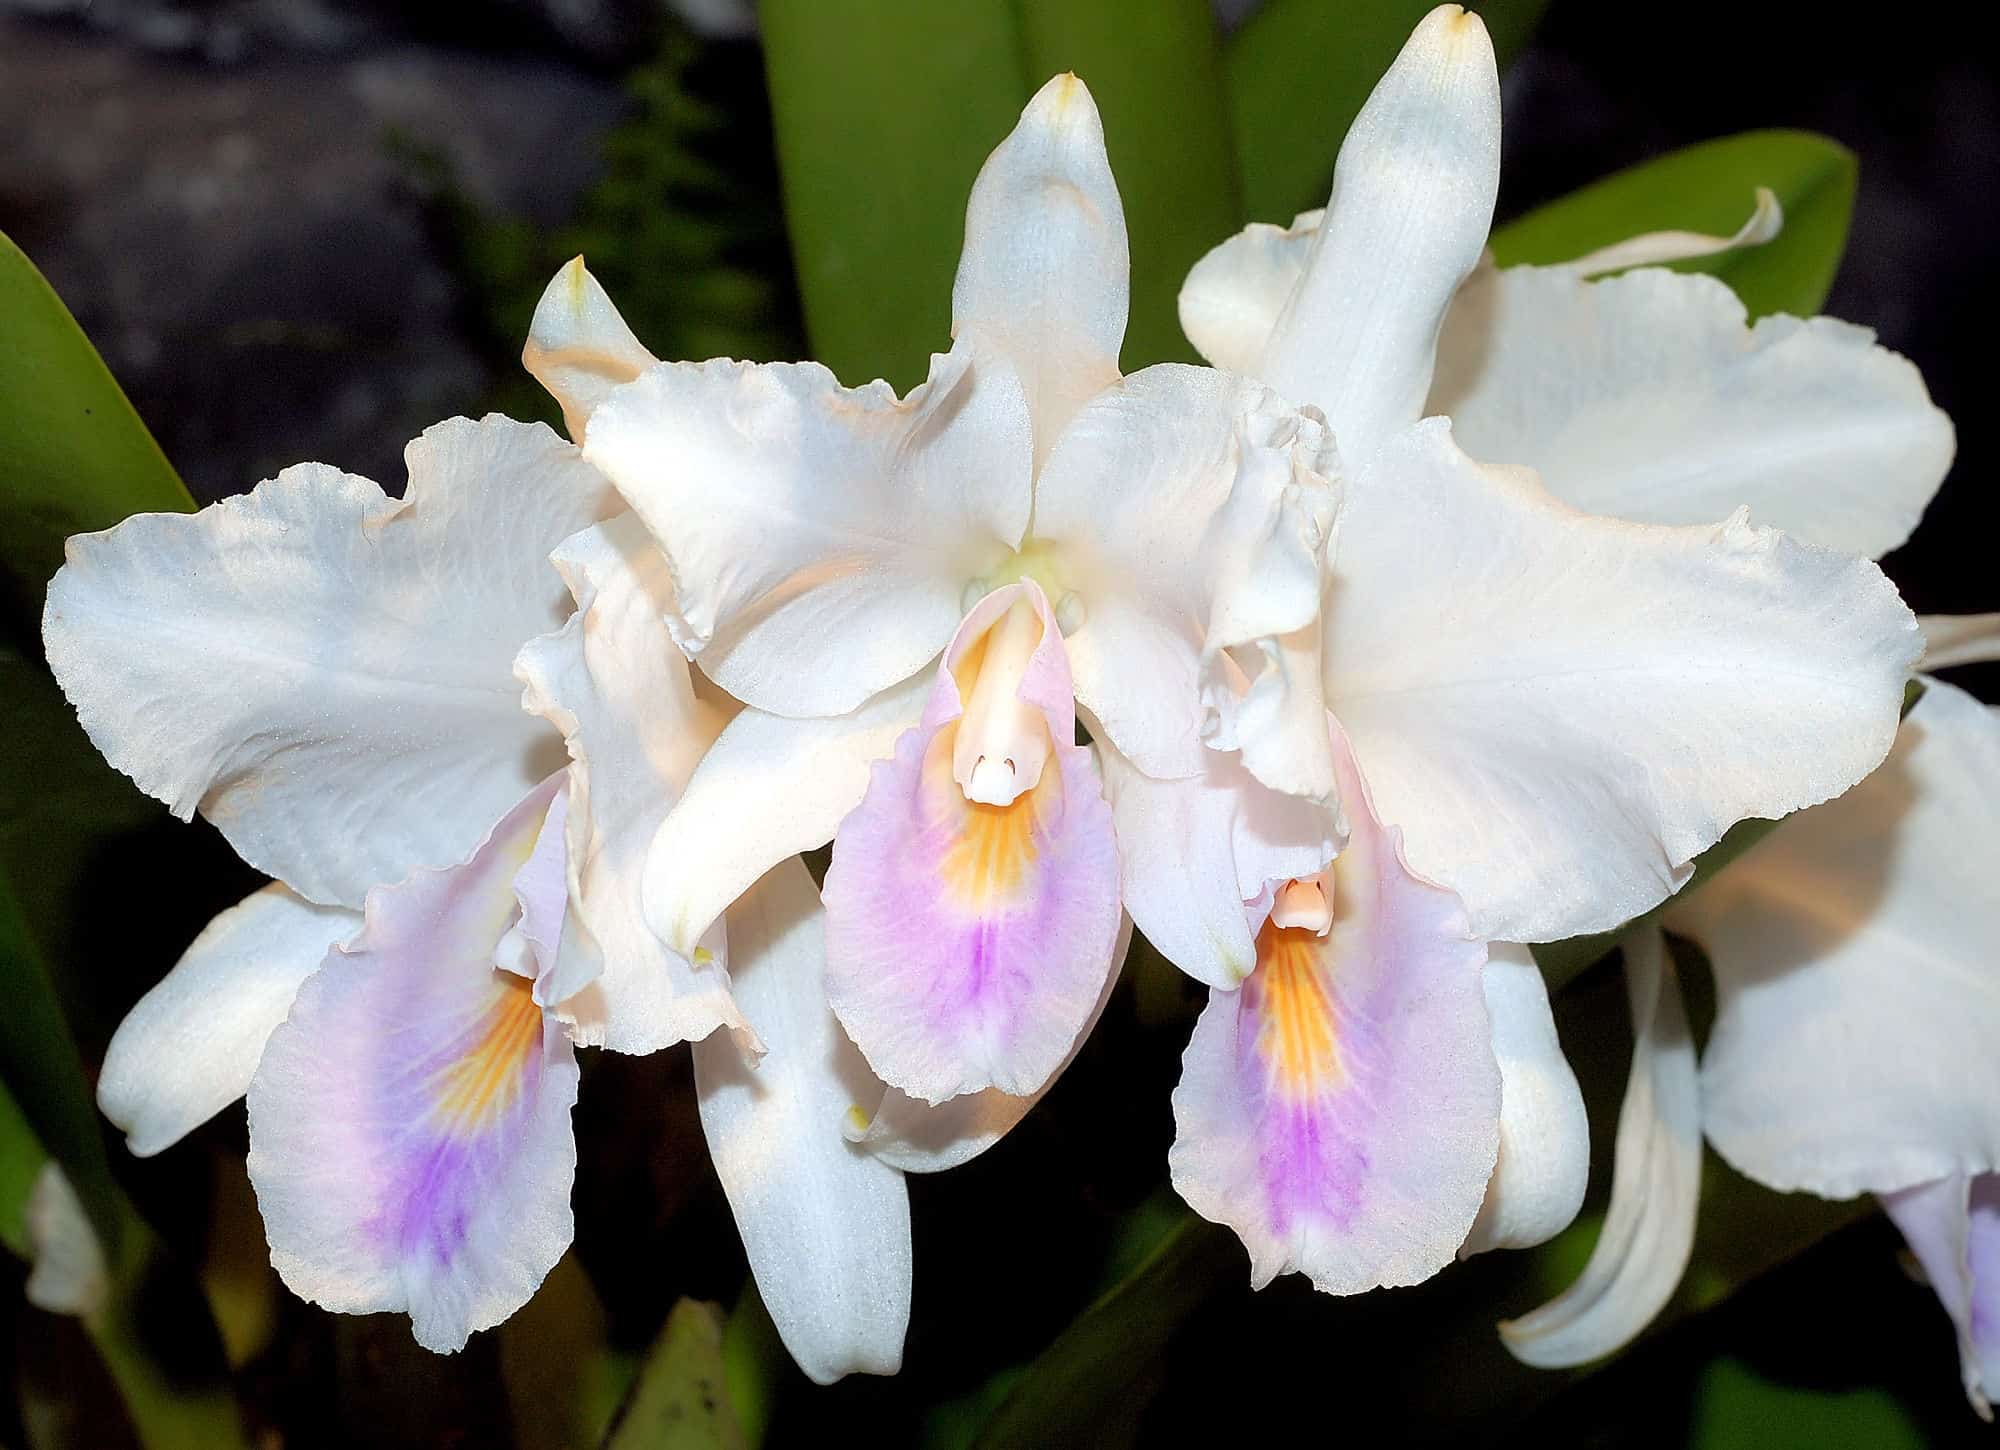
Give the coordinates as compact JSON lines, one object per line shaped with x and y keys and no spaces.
{"x":1065,"y":101}
{"x":703,"y":957}
{"x":1456,"y":27}
{"x":856,"y":1123}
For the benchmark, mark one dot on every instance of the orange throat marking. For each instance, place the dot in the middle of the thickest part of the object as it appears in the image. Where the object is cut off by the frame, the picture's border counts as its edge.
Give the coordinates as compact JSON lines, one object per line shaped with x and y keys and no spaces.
{"x":1299,"y":1034}
{"x":988,"y":862}
{"x":480,"y":1084}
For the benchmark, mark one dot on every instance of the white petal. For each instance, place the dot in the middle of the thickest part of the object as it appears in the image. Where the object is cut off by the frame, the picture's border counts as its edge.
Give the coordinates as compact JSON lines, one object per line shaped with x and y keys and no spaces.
{"x":1044,"y":270}
{"x":188,"y":1048}
{"x":1232,"y":297}
{"x":1650,"y":397}
{"x":1953,"y":1227}
{"x":821,"y":538}
{"x":1649,"y":1229}
{"x":612,"y":681}
{"x":1857,"y":983}
{"x":826,"y":1226}
{"x":324,"y":671}
{"x":770,"y":787}
{"x":1766,"y":220}
{"x":1959,"y":639}
{"x":1544,"y":1166}
{"x":578,"y":347}
{"x":1192,"y":854}
{"x":1188,"y":510}
{"x":66,"y":1273}
{"x":1561,"y":712}
{"x":1412,"y":200}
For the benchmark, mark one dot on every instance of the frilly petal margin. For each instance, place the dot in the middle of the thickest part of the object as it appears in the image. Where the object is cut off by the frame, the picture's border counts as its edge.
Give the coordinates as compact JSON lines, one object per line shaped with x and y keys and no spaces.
{"x":1561,"y":711}
{"x":1953,"y":1228}
{"x":1189,"y":512}
{"x":410,"y":1139}
{"x":323,"y":671}
{"x":190,"y":1046}
{"x":1544,"y":1165}
{"x":826,"y":1227}
{"x":1648,"y":1231}
{"x":968,"y":944}
{"x":612,"y":681}
{"x":1341,"y":1110}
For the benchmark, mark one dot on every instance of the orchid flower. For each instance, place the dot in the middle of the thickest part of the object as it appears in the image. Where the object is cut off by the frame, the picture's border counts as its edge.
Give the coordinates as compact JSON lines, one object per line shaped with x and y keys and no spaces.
{"x":1542,"y":718}
{"x":917,"y":598}
{"x":330,"y":676}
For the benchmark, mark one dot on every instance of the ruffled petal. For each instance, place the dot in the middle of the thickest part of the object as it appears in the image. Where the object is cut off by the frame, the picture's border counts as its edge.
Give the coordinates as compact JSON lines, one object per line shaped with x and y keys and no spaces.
{"x":612,"y":681}
{"x":826,"y":1227}
{"x":1341,"y":1109}
{"x":1651,"y":397}
{"x":1232,"y":297}
{"x":409,"y":1123}
{"x":324,"y":671}
{"x":188,"y":1048}
{"x":967,"y":944}
{"x":1857,"y":985}
{"x":1044,"y":271}
{"x":1194,"y":855}
{"x":579,"y":348}
{"x":770,"y":787}
{"x":820,"y":537}
{"x":1561,"y":712}
{"x":1544,"y":1164}
{"x":1648,"y":1231}
{"x":1188,"y":512}
{"x":1953,"y":1228}
{"x":1412,"y":199}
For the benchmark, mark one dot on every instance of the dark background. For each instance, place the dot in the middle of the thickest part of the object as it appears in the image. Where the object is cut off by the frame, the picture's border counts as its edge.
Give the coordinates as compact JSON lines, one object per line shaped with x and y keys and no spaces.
{"x":301,"y":230}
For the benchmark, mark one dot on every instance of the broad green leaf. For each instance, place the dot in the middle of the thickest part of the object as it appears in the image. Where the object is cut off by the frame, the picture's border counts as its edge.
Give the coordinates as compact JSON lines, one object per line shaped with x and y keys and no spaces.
{"x":754,"y":1360}
{"x":1736,"y":1408}
{"x":564,"y":1381}
{"x":1299,"y":71}
{"x":21,"y":1160}
{"x":681,"y":1397}
{"x":1157,"y":79}
{"x":74,"y":456}
{"x":883,"y":114}
{"x":1712,"y":188}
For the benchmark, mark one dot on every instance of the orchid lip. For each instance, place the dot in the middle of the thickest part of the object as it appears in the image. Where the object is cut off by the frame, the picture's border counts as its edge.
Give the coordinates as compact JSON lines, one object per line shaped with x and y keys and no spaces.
{"x":1002,"y":741}
{"x":1302,"y":902}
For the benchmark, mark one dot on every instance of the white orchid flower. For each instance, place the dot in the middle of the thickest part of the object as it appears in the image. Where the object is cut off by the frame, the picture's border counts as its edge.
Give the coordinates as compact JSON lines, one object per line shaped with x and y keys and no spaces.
{"x":1550,"y":715}
{"x":330,"y":676}
{"x":916,"y":598}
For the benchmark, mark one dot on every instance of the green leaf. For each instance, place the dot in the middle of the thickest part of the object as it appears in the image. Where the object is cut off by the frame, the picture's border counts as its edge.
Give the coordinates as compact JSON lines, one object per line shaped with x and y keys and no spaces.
{"x":681,"y":1397}
{"x":74,"y":456}
{"x":1159,"y":85}
{"x":1712,"y":188}
{"x":1299,"y":71}
{"x":564,"y":1382}
{"x":883,"y":114}
{"x":21,"y":1160}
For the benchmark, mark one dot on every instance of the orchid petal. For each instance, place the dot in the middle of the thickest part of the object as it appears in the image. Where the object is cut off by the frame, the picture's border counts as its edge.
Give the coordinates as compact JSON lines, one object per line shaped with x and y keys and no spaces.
{"x":1188,"y":510}
{"x":825,"y":1226}
{"x":1953,"y":1228}
{"x":579,"y":348}
{"x":820,"y":537}
{"x":1192,"y":853}
{"x":1959,"y":639}
{"x":770,"y":787}
{"x":322,"y":670}
{"x":188,"y":1048}
{"x":1857,"y":990}
{"x":1544,"y":1166}
{"x":1561,"y":712}
{"x":409,"y":1124}
{"x":1233,"y":296}
{"x":968,"y":944}
{"x":612,"y":681}
{"x":921,"y":1137}
{"x":67,"y":1273}
{"x":1044,"y":271}
{"x":1650,"y":249}
{"x":1412,"y":199}
{"x":1648,"y":1232}
{"x":1341,"y":1109}
{"x":1651,"y":397}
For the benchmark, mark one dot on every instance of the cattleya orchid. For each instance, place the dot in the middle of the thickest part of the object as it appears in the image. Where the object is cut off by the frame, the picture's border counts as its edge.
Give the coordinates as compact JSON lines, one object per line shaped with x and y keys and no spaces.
{"x":334,"y":679}
{"x":1542,"y":716}
{"x":917,"y":598}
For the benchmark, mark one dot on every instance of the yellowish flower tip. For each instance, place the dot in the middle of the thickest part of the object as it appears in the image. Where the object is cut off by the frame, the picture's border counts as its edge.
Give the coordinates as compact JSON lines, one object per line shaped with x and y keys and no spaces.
{"x":703,"y":957}
{"x":857,"y":1121}
{"x":577,"y":278}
